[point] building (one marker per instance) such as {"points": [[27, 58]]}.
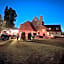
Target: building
{"points": [[54, 29], [37, 28]]}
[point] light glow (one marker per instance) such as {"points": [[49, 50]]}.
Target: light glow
{"points": [[52, 35], [48, 33], [43, 30], [14, 32]]}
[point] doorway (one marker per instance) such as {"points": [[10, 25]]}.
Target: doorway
{"points": [[43, 34], [29, 36], [23, 35]]}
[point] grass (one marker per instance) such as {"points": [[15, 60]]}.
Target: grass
{"points": [[33, 52], [2, 43]]}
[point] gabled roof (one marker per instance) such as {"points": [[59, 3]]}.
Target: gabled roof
{"points": [[27, 26], [35, 18], [41, 27], [53, 27]]}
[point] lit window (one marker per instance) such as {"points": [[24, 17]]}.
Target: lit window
{"points": [[43, 30], [49, 28], [47, 33], [38, 33]]}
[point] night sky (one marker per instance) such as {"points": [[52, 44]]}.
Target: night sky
{"points": [[51, 10]]}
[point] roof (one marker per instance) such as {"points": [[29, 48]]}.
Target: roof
{"points": [[15, 28], [35, 19], [27, 26], [42, 27], [53, 27]]}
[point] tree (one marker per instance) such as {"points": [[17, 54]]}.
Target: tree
{"points": [[2, 24], [9, 17]]}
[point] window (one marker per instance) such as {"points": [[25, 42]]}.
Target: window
{"points": [[57, 28], [39, 33], [49, 28], [47, 33], [43, 30], [44, 34], [34, 34]]}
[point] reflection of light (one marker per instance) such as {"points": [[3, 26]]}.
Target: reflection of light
{"points": [[18, 38], [13, 42], [47, 33]]}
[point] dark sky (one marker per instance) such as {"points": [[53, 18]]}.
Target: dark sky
{"points": [[51, 10]]}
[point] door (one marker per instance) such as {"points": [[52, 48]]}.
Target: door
{"points": [[29, 36], [23, 35]]}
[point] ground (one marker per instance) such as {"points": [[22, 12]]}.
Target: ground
{"points": [[32, 52]]}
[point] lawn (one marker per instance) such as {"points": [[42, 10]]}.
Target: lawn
{"points": [[33, 52]]}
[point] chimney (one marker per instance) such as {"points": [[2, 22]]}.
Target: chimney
{"points": [[41, 20]]}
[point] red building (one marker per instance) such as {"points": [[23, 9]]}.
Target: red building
{"points": [[37, 28]]}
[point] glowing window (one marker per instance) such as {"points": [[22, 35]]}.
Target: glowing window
{"points": [[39, 33], [43, 30], [49, 28], [47, 33]]}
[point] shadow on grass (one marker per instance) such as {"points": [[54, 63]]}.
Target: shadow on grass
{"points": [[62, 59], [5, 60], [6, 44], [39, 59], [34, 59], [48, 42]]}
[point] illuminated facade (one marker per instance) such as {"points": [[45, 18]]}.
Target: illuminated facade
{"points": [[37, 28]]}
